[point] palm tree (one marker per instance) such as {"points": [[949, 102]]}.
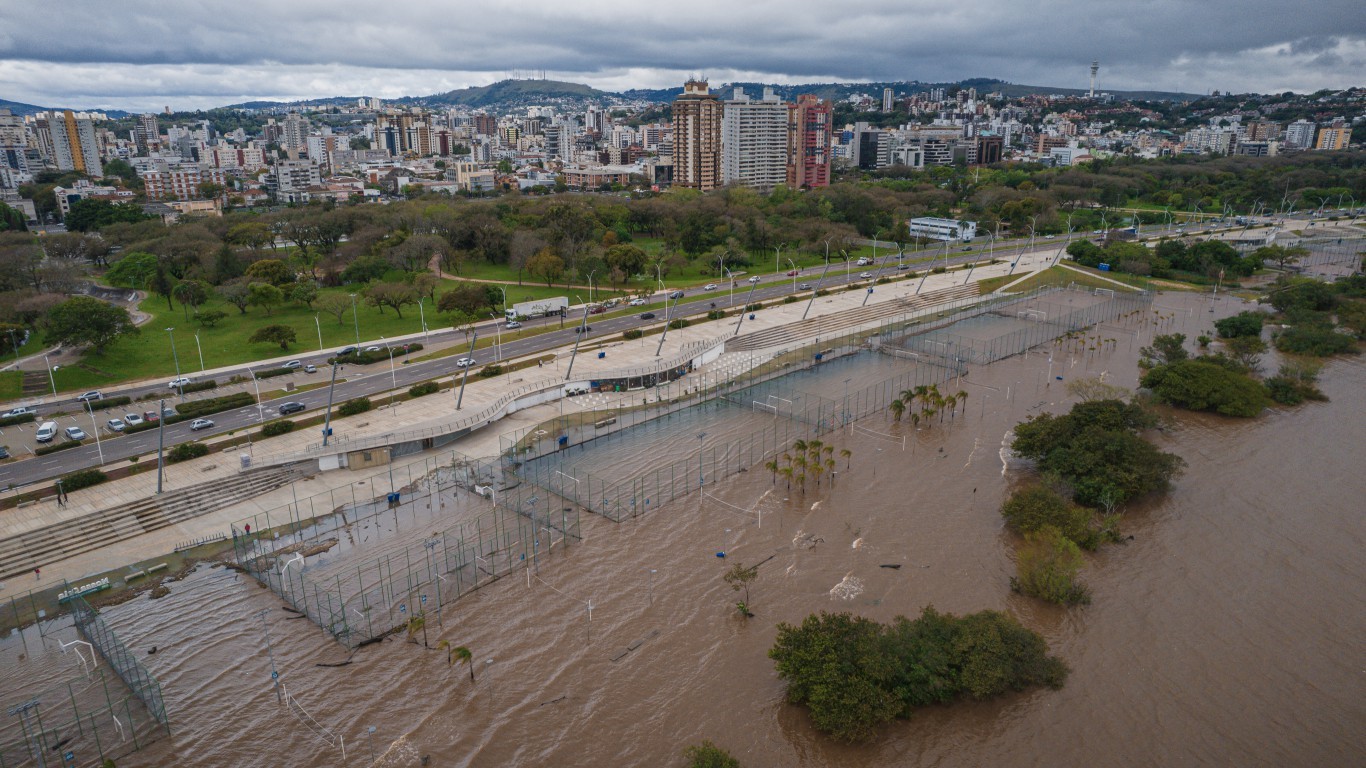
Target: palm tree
{"points": [[897, 408], [462, 653], [952, 402], [772, 466], [830, 466], [799, 445], [787, 474], [848, 457], [414, 624]]}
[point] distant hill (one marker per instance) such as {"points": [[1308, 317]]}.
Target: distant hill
{"points": [[841, 91], [328, 101], [516, 93], [20, 108]]}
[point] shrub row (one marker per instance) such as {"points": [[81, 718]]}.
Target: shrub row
{"points": [[199, 386], [54, 447], [197, 408], [755, 307], [425, 388], [355, 406], [489, 371], [679, 323], [633, 333], [21, 419], [361, 357], [273, 428], [83, 479], [186, 451], [715, 314], [270, 373], [110, 402]]}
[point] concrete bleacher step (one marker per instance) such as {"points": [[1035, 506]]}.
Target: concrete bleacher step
{"points": [[22, 553], [831, 324]]}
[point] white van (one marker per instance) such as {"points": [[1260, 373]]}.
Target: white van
{"points": [[46, 431]]}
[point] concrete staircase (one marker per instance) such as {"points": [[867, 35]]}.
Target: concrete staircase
{"points": [[832, 325], [19, 555]]}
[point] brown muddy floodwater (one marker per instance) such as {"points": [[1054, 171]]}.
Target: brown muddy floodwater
{"points": [[1227, 632]]}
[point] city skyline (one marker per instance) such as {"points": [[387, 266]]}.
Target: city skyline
{"points": [[144, 58]]}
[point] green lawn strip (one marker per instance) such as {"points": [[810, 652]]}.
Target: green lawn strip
{"points": [[11, 385]]}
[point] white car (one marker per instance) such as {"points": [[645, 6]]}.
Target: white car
{"points": [[865, 275], [709, 287], [637, 302], [199, 424], [373, 348], [292, 364], [512, 325], [116, 425], [132, 419], [464, 362], [22, 410], [75, 433], [178, 383], [754, 279]]}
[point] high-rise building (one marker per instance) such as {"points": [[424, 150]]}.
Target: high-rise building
{"points": [[1299, 135], [1335, 135], [73, 142], [295, 134], [147, 134], [809, 136], [485, 125], [697, 137], [888, 100], [989, 149], [754, 141]]}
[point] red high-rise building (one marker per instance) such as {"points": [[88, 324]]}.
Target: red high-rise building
{"points": [[809, 139]]}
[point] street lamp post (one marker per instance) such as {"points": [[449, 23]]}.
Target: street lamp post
{"points": [[199, 347], [701, 473], [590, 285], [319, 326], [15, 344], [777, 254], [180, 388], [355, 319], [422, 318], [95, 427], [794, 275], [260, 409], [50, 378], [497, 339], [393, 376]]}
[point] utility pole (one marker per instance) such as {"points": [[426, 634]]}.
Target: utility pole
{"points": [[274, 675], [161, 441]]}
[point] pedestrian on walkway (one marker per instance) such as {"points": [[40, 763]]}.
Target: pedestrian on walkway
{"points": [[37, 574]]}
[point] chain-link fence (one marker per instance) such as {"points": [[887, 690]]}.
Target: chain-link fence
{"points": [[1001, 329], [362, 564], [111, 709]]}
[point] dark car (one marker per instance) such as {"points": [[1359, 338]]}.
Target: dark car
{"points": [[676, 295], [4, 452], [583, 328], [647, 316], [597, 310], [345, 351], [291, 407]]}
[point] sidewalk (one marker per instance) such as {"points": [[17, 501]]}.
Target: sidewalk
{"points": [[437, 409]]}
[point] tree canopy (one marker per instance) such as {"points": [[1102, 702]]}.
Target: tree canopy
{"points": [[85, 321]]}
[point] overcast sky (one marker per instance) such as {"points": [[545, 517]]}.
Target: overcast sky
{"points": [[192, 54]]}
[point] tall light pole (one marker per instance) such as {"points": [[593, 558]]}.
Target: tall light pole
{"points": [[355, 318], [260, 409], [393, 375], [422, 318], [319, 326], [199, 347], [95, 427], [179, 387], [590, 285], [497, 339], [794, 275], [777, 254], [701, 473], [15, 344], [50, 378]]}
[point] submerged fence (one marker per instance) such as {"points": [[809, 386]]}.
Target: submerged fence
{"points": [[369, 565], [1003, 329], [86, 719]]}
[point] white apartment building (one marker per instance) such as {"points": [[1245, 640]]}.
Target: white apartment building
{"points": [[754, 141], [1299, 135]]}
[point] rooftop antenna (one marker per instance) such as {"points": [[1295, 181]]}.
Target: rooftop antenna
{"points": [[1095, 67]]}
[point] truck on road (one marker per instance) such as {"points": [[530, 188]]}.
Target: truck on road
{"points": [[537, 308]]}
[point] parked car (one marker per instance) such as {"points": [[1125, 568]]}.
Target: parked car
{"points": [[647, 316], [291, 407], [710, 287], [310, 368], [74, 433], [22, 410], [464, 362], [116, 425], [132, 419], [804, 286], [4, 452], [865, 275], [178, 383], [168, 413], [636, 302], [676, 295], [93, 394], [199, 424], [754, 279], [292, 364], [46, 431], [512, 325], [583, 328], [151, 417]]}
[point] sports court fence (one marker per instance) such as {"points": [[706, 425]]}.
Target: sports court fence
{"points": [[1005, 328], [362, 565]]}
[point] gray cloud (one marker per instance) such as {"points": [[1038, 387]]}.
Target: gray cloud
{"points": [[197, 54]]}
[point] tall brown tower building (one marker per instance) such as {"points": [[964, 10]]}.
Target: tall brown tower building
{"points": [[809, 140], [697, 137]]}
